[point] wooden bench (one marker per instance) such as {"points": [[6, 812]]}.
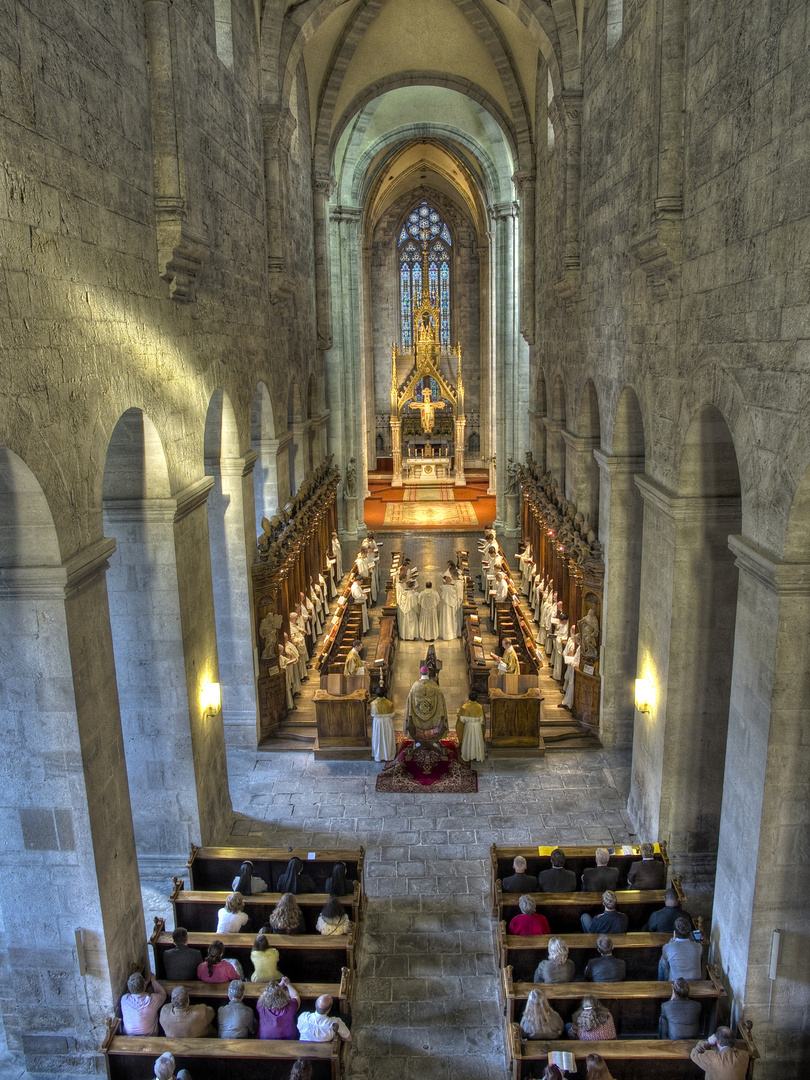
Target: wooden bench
{"points": [[635, 1006], [477, 666], [577, 859], [629, 1059], [216, 867], [563, 910], [132, 1057], [216, 994], [383, 664], [302, 957], [641, 952], [197, 910]]}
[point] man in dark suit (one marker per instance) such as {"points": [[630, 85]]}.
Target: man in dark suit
{"points": [[610, 921], [648, 873], [601, 877], [557, 879], [520, 881], [606, 967], [181, 962], [663, 920], [680, 1016]]}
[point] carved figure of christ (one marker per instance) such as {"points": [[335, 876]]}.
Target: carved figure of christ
{"points": [[427, 408]]}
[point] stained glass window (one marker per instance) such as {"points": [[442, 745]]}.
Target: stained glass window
{"points": [[424, 231]]}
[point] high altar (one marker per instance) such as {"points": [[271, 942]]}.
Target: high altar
{"points": [[431, 460]]}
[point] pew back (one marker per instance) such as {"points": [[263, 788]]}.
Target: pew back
{"points": [[197, 910], [216, 867], [641, 952]]}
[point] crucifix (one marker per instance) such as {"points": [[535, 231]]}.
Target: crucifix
{"points": [[427, 407]]}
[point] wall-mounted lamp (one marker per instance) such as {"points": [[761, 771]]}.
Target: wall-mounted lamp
{"points": [[210, 699], [645, 694]]}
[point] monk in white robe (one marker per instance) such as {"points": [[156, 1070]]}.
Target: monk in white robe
{"points": [[429, 602], [337, 555], [571, 658], [359, 597], [449, 610], [408, 613]]}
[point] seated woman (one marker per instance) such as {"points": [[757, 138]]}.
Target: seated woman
{"points": [[292, 880], [277, 1007], [338, 884], [245, 883], [591, 1022], [539, 1020], [558, 968], [528, 922], [232, 917], [333, 919], [264, 960], [287, 917], [597, 1068], [214, 969]]}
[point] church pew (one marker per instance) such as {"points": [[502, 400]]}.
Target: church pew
{"points": [[563, 910], [383, 662], [216, 994], [477, 666], [216, 867], [302, 957], [512, 623], [635, 1005], [641, 952], [197, 910], [132, 1057], [577, 859], [626, 1059]]}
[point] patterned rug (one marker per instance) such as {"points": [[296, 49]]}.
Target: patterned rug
{"points": [[428, 493], [431, 515], [428, 772]]}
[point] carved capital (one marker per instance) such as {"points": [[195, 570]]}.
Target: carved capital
{"points": [[659, 250], [181, 252], [324, 184], [567, 286]]}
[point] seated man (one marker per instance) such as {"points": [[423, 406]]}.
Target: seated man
{"points": [[520, 881], [182, 1020], [610, 921], [601, 877], [648, 873], [319, 1026], [663, 921], [181, 962], [425, 716], [718, 1057], [528, 922], [236, 1020], [606, 967], [165, 1066], [682, 957], [141, 1005], [354, 662], [680, 1016], [556, 879]]}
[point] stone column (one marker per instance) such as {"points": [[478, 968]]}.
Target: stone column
{"points": [[524, 180], [278, 128], [271, 476], [566, 113], [232, 603], [621, 522], [150, 671], [344, 375], [198, 624], [555, 449], [300, 465], [323, 186], [686, 639], [582, 475], [64, 798], [509, 371], [766, 813]]}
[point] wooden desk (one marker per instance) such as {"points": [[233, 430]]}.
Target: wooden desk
{"points": [[341, 720]]}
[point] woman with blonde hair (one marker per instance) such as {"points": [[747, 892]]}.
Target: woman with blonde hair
{"points": [[558, 968], [287, 917], [592, 1022], [539, 1020], [264, 960], [597, 1069], [277, 1007], [232, 917]]}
